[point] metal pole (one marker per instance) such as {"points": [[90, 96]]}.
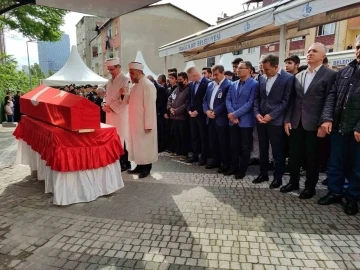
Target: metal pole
{"points": [[282, 47], [28, 57], [165, 66]]}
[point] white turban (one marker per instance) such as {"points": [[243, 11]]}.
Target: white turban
{"points": [[136, 65], [112, 62]]}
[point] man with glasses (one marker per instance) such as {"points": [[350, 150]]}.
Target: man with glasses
{"points": [[116, 105]]}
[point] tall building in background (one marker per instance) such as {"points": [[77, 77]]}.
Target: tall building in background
{"points": [[53, 55], [86, 29]]}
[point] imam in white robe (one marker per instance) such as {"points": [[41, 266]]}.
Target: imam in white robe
{"points": [[143, 148]]}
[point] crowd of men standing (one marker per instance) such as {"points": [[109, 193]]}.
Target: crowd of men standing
{"points": [[312, 117]]}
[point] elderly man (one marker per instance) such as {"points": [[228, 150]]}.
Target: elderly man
{"points": [[341, 118], [143, 148], [302, 120], [116, 105]]}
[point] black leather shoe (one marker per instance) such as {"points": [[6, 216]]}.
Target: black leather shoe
{"points": [[134, 171], [125, 167], [144, 174], [307, 194], [330, 198], [231, 172], [289, 187], [260, 179], [192, 160], [222, 169], [212, 166], [325, 182], [239, 175], [351, 207], [275, 184], [202, 163]]}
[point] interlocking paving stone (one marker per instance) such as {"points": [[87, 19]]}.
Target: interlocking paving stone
{"points": [[183, 217]]}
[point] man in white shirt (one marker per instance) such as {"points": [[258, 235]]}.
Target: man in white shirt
{"points": [[214, 107]]}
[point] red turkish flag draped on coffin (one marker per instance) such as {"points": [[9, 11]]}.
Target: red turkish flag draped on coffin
{"points": [[60, 108]]}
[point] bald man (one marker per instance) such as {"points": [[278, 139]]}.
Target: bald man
{"points": [[302, 120]]}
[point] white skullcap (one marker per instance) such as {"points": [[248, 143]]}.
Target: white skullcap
{"points": [[136, 65], [112, 62]]}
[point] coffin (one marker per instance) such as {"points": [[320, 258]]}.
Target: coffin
{"points": [[60, 108]]}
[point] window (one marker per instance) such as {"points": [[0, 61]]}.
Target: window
{"points": [[238, 52], [298, 38], [326, 29], [110, 54], [210, 61], [251, 50], [95, 51], [109, 31], [116, 28]]}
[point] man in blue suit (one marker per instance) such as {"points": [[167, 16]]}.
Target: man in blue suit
{"points": [[215, 109], [240, 106], [271, 102], [198, 128]]}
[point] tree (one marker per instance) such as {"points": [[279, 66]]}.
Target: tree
{"points": [[51, 72], [33, 21]]}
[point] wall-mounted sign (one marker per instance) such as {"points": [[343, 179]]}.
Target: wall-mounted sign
{"points": [[200, 42], [341, 62]]}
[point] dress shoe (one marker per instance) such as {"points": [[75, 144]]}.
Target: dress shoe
{"points": [[192, 160], [231, 172], [307, 194], [223, 169], [202, 163], [351, 207], [289, 187], [330, 198], [275, 184], [134, 171], [144, 174], [260, 179], [125, 167], [254, 162], [240, 175], [325, 182], [212, 166]]}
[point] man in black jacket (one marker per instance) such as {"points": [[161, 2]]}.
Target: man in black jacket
{"points": [[199, 136], [341, 118]]}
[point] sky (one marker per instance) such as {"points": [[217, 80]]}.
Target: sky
{"points": [[204, 9]]}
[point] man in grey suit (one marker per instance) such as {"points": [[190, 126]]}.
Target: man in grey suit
{"points": [[302, 120], [270, 105]]}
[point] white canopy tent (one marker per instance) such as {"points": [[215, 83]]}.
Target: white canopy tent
{"points": [[226, 60], [74, 71], [147, 71]]}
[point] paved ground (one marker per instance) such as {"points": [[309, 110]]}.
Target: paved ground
{"points": [[184, 217]]}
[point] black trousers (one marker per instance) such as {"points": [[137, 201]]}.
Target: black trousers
{"points": [[199, 136], [169, 135], [304, 145], [241, 140], [181, 129], [125, 157], [276, 136], [160, 132], [144, 167], [219, 143]]}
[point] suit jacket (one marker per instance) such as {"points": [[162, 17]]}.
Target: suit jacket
{"points": [[308, 107], [194, 101], [241, 102], [219, 106], [161, 100], [275, 104]]}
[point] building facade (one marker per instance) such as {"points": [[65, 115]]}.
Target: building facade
{"points": [[86, 29], [53, 55], [144, 30]]}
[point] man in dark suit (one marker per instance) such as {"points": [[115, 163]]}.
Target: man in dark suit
{"points": [[271, 102], [199, 136], [302, 121], [215, 109], [240, 107]]}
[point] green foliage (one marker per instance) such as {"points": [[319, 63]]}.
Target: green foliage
{"points": [[34, 22], [13, 79], [51, 72]]}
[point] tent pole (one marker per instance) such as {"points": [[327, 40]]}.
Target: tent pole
{"points": [[282, 47]]}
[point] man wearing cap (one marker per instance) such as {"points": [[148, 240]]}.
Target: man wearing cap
{"points": [[116, 105], [143, 149]]}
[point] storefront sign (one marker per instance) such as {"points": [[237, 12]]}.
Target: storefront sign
{"points": [[341, 62], [200, 42]]}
